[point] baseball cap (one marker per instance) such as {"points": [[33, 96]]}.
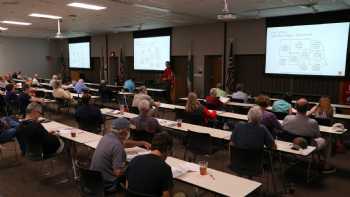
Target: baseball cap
{"points": [[120, 123]]}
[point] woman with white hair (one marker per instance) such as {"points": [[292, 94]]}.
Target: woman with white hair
{"points": [[252, 135], [212, 101]]}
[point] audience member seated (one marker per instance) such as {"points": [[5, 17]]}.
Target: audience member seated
{"points": [[142, 95], [105, 92], [35, 81], [109, 157], [303, 126], [219, 91], [80, 86], [8, 127], [283, 105], [30, 131], [129, 85], [196, 109], [8, 78], [269, 120], [53, 79], [149, 174], [240, 94], [145, 122], [89, 116], [252, 134], [3, 83], [11, 99], [59, 92], [212, 101], [25, 98], [323, 110]]}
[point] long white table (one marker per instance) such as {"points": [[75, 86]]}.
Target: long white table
{"points": [[231, 115], [73, 94], [215, 180]]}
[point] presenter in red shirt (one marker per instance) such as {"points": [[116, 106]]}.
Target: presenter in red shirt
{"points": [[168, 78]]}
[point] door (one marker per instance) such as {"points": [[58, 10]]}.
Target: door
{"points": [[180, 71], [213, 72]]}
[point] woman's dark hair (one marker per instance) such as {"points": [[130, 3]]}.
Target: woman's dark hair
{"points": [[9, 87], [85, 99]]}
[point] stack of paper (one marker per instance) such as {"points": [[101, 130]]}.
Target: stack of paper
{"points": [[183, 168], [131, 153]]}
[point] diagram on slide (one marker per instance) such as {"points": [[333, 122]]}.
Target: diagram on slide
{"points": [[306, 54]]}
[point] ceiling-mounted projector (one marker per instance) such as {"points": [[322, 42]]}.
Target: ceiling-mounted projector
{"points": [[228, 16]]}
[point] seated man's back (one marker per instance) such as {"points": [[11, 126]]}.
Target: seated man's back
{"points": [[149, 174], [301, 125], [31, 132]]}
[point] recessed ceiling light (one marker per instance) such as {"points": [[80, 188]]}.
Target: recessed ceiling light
{"points": [[45, 16], [3, 28], [16, 23], [86, 6]]}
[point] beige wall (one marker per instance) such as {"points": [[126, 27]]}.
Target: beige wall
{"points": [[205, 39], [25, 54]]}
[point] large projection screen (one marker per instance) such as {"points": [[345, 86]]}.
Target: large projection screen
{"points": [[79, 55], [151, 53], [318, 49]]}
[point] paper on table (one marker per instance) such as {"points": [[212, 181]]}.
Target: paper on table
{"points": [[65, 130], [224, 99], [135, 151], [184, 168]]}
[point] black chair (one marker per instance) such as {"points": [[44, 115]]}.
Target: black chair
{"points": [[280, 115], [289, 137], [246, 162], [91, 183], [192, 118], [62, 104], [324, 121], [11, 107], [91, 126], [130, 193], [141, 135], [134, 110], [237, 100], [199, 144]]}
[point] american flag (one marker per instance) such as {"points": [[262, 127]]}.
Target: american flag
{"points": [[121, 69], [231, 70]]}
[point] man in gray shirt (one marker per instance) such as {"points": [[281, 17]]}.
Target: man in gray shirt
{"points": [[301, 125], [109, 157]]}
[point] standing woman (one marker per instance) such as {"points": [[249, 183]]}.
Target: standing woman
{"points": [[168, 78]]}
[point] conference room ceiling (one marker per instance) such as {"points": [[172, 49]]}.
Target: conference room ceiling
{"points": [[131, 15]]}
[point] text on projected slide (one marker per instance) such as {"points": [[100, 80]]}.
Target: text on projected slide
{"points": [[308, 49], [151, 53], [79, 55]]}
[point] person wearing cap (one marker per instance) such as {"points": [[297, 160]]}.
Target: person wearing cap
{"points": [[142, 95], [30, 131], [149, 174], [303, 126], [109, 157]]}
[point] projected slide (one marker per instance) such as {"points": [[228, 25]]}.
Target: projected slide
{"points": [[151, 53], [79, 55], [307, 50]]}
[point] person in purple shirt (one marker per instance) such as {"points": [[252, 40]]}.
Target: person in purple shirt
{"points": [[269, 120], [80, 86]]}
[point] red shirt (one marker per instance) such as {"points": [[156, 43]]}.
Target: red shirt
{"points": [[213, 102], [168, 75]]}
